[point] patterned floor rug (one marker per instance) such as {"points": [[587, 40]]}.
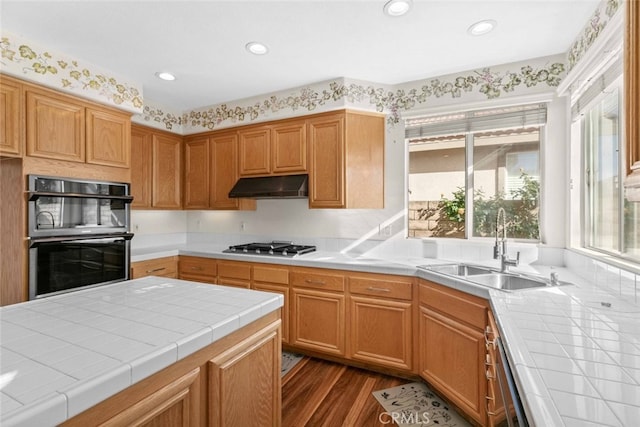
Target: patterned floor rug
{"points": [[289, 360], [414, 404]]}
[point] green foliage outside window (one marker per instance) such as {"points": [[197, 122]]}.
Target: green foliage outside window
{"points": [[521, 209]]}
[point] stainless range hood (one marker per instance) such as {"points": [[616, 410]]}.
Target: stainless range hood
{"points": [[271, 187]]}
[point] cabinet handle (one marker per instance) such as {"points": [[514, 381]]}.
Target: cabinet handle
{"points": [[196, 268], [488, 374], [489, 342], [155, 270], [315, 282], [489, 398], [488, 360], [374, 289]]}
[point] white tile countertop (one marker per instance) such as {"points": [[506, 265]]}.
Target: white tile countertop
{"points": [[576, 348], [63, 354]]}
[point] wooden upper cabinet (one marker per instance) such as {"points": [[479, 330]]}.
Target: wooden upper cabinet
{"points": [[224, 172], [347, 160], [326, 144], [141, 148], [108, 138], [167, 151], [11, 143], [196, 173], [62, 127], [254, 150], [156, 169], [55, 126], [276, 149], [289, 148]]}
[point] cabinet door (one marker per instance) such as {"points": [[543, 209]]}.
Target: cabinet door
{"points": [[289, 148], [176, 404], [272, 278], [254, 151], [381, 332], [10, 114], [452, 359], [244, 382], [166, 171], [141, 147], [196, 173], [318, 321], [224, 173], [108, 138], [326, 147], [55, 127]]}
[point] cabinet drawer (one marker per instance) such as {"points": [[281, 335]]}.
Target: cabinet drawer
{"points": [[197, 266], [317, 279], [466, 308], [381, 286], [269, 274], [165, 267], [234, 270]]}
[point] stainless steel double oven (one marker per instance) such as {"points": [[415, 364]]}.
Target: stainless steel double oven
{"points": [[78, 234]]}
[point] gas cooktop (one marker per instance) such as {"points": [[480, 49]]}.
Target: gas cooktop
{"points": [[275, 248]]}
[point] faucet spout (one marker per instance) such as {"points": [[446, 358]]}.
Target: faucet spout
{"points": [[500, 247]]}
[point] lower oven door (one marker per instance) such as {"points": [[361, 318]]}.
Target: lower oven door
{"points": [[66, 264]]}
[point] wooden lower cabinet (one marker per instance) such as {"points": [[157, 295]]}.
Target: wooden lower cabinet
{"points": [[198, 269], [234, 381], [381, 332], [234, 273], [245, 382], [176, 404], [273, 278], [381, 320], [164, 267], [452, 347]]}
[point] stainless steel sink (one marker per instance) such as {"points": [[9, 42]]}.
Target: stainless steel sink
{"points": [[459, 269], [508, 282], [490, 277]]}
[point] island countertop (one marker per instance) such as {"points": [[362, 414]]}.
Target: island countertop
{"points": [[63, 354]]}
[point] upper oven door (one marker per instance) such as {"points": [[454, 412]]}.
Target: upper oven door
{"points": [[64, 264], [64, 207]]}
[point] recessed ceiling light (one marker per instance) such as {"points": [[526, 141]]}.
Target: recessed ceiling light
{"points": [[482, 27], [164, 75], [257, 48], [397, 7]]}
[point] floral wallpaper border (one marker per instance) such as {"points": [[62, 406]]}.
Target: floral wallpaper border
{"points": [[25, 59], [487, 82], [592, 30]]}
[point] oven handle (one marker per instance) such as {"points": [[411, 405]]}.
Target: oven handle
{"points": [[97, 238], [35, 195]]}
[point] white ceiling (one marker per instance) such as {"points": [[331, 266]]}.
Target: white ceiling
{"points": [[202, 42]]}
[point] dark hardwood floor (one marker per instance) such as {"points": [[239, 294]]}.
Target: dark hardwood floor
{"points": [[320, 393]]}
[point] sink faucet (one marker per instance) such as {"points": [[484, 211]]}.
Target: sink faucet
{"points": [[500, 247]]}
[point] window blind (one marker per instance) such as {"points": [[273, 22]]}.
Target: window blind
{"points": [[598, 85], [515, 117]]}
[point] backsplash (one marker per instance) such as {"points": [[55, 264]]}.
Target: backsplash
{"points": [[618, 281]]}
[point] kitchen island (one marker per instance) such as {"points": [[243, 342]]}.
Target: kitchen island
{"points": [[151, 349]]}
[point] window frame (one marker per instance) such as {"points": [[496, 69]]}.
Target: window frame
{"points": [[469, 171]]}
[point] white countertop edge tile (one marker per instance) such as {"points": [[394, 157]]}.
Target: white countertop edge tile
{"points": [[49, 410], [153, 362], [87, 393]]}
